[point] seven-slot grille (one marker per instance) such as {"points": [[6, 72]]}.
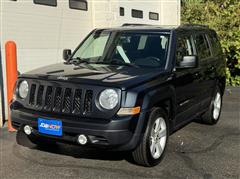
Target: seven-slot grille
{"points": [[61, 100]]}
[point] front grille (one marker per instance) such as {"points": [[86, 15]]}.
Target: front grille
{"points": [[67, 102], [32, 95], [60, 99], [77, 101], [88, 102], [57, 100], [40, 95], [48, 98]]}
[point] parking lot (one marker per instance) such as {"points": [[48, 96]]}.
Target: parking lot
{"points": [[196, 151]]}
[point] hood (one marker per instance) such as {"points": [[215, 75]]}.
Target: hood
{"points": [[95, 74]]}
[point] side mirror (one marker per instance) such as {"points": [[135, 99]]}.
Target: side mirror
{"points": [[189, 62], [66, 54]]}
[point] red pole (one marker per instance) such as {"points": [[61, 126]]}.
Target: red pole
{"points": [[11, 70]]}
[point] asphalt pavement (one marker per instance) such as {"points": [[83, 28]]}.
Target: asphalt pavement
{"points": [[195, 151]]}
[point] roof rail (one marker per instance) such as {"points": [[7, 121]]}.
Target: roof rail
{"points": [[129, 24], [195, 25]]}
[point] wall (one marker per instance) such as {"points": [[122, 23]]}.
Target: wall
{"points": [[170, 12], [106, 12]]}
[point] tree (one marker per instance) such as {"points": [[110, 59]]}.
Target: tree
{"points": [[224, 17]]}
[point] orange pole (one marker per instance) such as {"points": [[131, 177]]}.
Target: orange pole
{"points": [[11, 70]]}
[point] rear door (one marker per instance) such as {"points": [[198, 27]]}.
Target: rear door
{"points": [[207, 68]]}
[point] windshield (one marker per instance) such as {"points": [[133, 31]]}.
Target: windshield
{"points": [[132, 49], [93, 47]]}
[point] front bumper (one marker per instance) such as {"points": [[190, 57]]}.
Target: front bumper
{"points": [[120, 133]]}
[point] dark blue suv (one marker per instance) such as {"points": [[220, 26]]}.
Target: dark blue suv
{"points": [[124, 89]]}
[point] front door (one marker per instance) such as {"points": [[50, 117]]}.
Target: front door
{"points": [[187, 82]]}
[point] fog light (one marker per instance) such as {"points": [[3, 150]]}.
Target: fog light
{"points": [[82, 139], [27, 129]]}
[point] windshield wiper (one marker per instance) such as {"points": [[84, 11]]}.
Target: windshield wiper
{"points": [[118, 63]]}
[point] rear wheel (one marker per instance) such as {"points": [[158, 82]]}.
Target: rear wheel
{"points": [[153, 145], [212, 115]]}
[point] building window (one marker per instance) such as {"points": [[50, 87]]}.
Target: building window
{"points": [[153, 16], [46, 2], [137, 13], [78, 4], [121, 11]]}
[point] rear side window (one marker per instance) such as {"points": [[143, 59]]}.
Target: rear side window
{"points": [[202, 46], [215, 44], [184, 48]]}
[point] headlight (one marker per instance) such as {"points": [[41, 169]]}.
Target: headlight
{"points": [[23, 89], [108, 99]]}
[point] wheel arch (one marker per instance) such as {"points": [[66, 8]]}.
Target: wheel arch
{"points": [[165, 98]]}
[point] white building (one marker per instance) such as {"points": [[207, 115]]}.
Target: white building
{"points": [[43, 28]]}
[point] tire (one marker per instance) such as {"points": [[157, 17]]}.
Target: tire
{"points": [[142, 155], [212, 115]]}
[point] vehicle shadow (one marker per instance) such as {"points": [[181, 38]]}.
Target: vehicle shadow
{"points": [[75, 151]]}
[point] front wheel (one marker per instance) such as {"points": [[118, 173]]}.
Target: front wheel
{"points": [[153, 145], [212, 115]]}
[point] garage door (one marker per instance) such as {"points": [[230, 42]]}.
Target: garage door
{"points": [[1, 116], [1, 92]]}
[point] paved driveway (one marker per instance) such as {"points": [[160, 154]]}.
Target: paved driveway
{"points": [[196, 151]]}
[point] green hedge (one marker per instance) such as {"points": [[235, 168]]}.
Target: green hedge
{"points": [[224, 17]]}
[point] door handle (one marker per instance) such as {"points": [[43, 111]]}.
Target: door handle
{"points": [[197, 75]]}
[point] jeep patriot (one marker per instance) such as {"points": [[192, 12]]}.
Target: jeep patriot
{"points": [[124, 89]]}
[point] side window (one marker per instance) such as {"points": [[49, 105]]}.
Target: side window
{"points": [[202, 46], [184, 48], [215, 44]]}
